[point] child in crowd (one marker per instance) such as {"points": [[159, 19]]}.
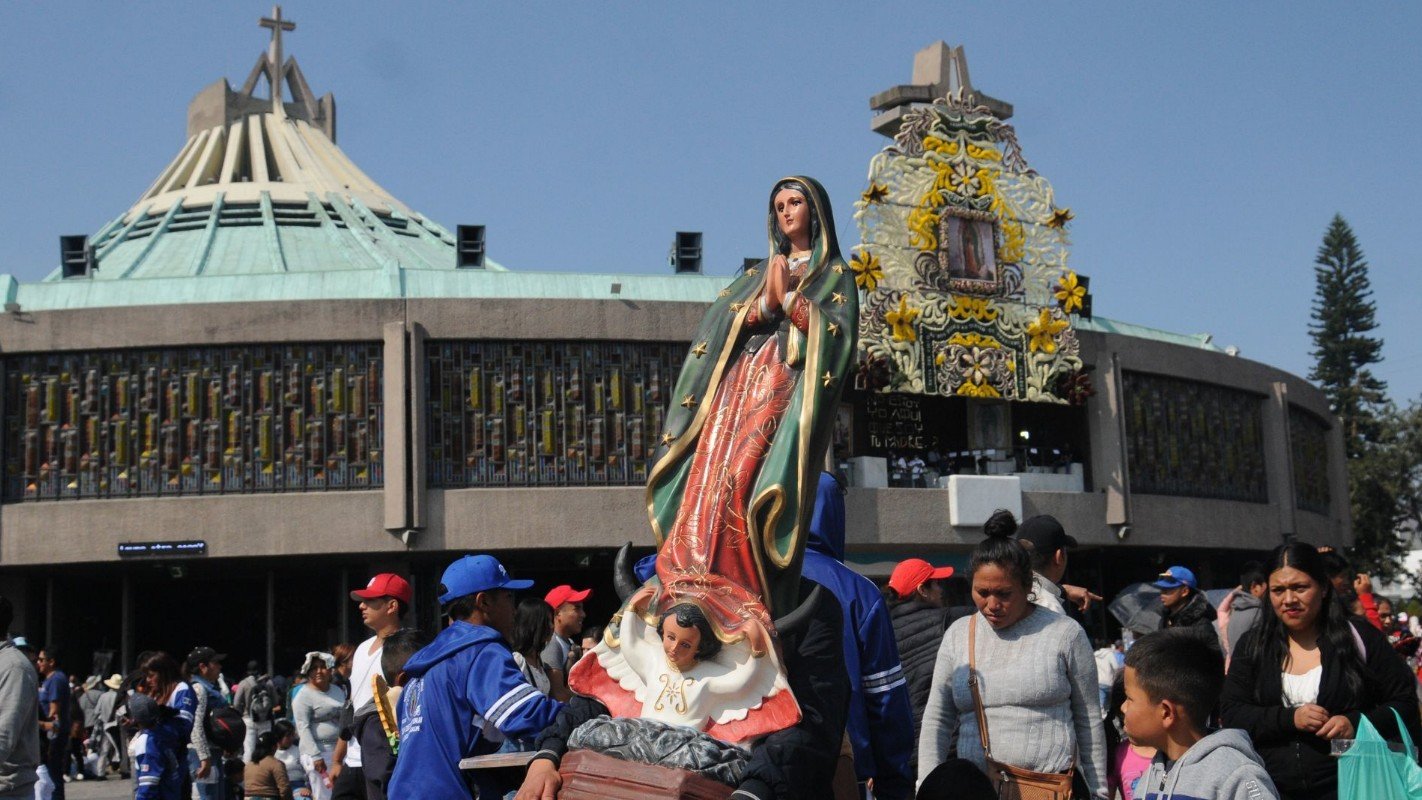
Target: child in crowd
{"points": [[264, 778], [378, 747], [289, 754], [1173, 682], [158, 774], [1129, 761]]}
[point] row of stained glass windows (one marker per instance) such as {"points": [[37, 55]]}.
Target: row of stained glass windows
{"points": [[1194, 439], [272, 418], [198, 420], [546, 413]]}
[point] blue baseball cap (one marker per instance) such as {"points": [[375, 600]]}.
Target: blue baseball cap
{"points": [[474, 574], [1175, 577]]}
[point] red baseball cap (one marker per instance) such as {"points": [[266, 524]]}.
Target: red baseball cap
{"points": [[911, 573], [386, 584], [559, 595]]}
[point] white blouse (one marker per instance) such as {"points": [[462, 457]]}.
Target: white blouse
{"points": [[1301, 689]]}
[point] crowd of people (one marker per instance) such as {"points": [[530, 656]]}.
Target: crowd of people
{"points": [[935, 685]]}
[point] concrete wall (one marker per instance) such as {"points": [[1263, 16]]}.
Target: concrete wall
{"points": [[34, 534]]}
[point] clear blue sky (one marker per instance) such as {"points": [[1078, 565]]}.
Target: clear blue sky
{"points": [[1203, 146]]}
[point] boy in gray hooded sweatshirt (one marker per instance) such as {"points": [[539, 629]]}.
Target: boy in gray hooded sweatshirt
{"points": [[1173, 682]]}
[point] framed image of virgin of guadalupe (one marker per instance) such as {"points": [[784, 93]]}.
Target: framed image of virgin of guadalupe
{"points": [[967, 251]]}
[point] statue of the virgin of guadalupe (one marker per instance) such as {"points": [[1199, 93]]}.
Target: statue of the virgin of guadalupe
{"points": [[732, 487]]}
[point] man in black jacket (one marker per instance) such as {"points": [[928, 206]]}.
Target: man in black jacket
{"points": [[915, 595], [793, 764], [1185, 606]]}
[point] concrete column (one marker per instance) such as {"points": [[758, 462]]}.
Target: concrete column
{"points": [[49, 612], [1279, 458], [1339, 507], [1106, 427], [126, 653], [271, 622], [417, 434], [395, 447]]}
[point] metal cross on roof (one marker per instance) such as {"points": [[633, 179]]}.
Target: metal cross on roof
{"points": [[274, 54]]}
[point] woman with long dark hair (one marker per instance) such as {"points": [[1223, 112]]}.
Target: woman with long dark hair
{"points": [[1306, 673], [161, 679], [533, 629], [1035, 676]]}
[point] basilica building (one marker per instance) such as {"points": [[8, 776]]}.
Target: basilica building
{"points": [[268, 379]]}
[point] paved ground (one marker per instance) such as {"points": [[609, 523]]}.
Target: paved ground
{"points": [[112, 789]]}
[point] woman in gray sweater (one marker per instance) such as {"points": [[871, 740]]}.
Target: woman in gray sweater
{"points": [[1036, 675], [318, 709]]}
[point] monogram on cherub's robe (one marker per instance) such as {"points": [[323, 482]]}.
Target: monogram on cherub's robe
{"points": [[736, 695]]}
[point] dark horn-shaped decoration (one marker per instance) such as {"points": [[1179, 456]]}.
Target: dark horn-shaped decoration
{"points": [[792, 623], [623, 578]]}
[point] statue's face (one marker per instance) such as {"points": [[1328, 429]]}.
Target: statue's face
{"points": [[680, 644], [792, 213]]}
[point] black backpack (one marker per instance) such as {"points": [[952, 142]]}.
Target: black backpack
{"points": [[261, 700], [225, 729]]}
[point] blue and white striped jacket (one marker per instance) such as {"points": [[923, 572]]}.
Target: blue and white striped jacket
{"points": [[880, 714], [466, 695]]}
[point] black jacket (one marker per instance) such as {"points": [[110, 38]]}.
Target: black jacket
{"points": [[377, 762], [1299, 762], [918, 630], [797, 762], [1197, 616]]}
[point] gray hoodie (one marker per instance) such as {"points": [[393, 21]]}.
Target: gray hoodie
{"points": [[1221, 766], [19, 722], [1243, 614]]}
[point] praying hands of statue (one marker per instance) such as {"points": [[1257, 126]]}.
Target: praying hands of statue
{"points": [[777, 282]]}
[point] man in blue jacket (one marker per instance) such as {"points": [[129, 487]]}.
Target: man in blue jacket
{"points": [[465, 694], [880, 725]]}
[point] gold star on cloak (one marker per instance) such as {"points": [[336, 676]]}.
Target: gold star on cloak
{"points": [[833, 328], [699, 350], [1060, 217], [689, 401], [838, 298], [736, 307], [838, 268], [752, 271], [668, 438], [725, 293], [827, 378]]}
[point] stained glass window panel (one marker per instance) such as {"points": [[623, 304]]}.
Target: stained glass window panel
{"points": [[546, 413], [196, 420], [1194, 439]]}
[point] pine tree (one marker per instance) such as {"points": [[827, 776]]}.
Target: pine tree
{"points": [[1343, 319]]}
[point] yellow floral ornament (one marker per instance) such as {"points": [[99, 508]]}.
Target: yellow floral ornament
{"points": [[1044, 332], [875, 193], [867, 270], [1070, 292], [902, 321], [1059, 218]]}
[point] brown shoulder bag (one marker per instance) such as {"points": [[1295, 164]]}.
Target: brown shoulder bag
{"points": [[1012, 783]]}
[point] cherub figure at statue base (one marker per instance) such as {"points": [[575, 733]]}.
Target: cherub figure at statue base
{"points": [[673, 668]]}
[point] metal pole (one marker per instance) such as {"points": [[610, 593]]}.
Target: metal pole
{"points": [[49, 612], [271, 622], [341, 599], [126, 624]]}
